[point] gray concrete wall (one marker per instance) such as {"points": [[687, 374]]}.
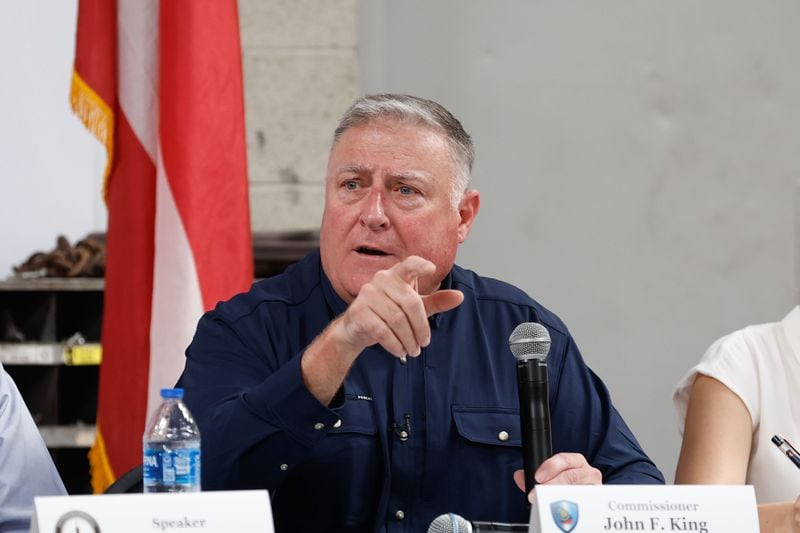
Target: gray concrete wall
{"points": [[300, 74], [638, 163]]}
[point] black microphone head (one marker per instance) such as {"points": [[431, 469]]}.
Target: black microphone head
{"points": [[450, 523], [529, 340]]}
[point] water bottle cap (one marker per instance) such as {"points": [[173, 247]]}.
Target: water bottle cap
{"points": [[168, 394]]}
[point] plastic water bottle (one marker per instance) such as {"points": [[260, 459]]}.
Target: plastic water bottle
{"points": [[171, 443]]}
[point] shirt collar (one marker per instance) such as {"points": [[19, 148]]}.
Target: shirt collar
{"points": [[447, 283], [336, 306]]}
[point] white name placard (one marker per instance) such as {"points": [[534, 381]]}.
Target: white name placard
{"points": [[243, 511], [651, 508]]}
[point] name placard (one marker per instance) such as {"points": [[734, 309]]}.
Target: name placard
{"points": [[208, 512], [651, 508]]}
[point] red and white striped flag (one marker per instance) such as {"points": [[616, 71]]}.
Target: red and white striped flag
{"points": [[160, 85]]}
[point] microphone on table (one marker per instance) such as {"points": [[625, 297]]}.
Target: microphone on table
{"points": [[530, 342], [453, 523]]}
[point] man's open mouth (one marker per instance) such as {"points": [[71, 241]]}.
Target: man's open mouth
{"points": [[370, 251]]}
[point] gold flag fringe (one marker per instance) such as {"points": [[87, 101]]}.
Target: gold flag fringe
{"points": [[97, 117], [100, 467]]}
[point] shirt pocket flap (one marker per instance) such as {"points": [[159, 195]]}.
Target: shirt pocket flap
{"points": [[355, 416], [497, 426]]}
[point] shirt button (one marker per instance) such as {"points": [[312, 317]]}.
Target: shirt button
{"points": [[403, 359], [503, 436], [403, 435], [338, 424], [284, 467], [399, 515], [319, 425]]}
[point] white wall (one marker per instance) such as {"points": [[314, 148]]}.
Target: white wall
{"points": [[638, 163], [50, 167]]}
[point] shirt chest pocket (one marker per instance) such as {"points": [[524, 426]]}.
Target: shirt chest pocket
{"points": [[485, 449], [351, 447], [488, 426], [344, 475], [355, 417]]}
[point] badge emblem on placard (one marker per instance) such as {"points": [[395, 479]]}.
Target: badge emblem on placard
{"points": [[565, 515], [76, 521]]}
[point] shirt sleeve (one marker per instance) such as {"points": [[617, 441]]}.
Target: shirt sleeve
{"points": [[249, 403], [732, 362], [26, 469], [586, 421]]}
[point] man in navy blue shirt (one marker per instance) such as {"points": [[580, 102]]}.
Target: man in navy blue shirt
{"points": [[370, 387]]}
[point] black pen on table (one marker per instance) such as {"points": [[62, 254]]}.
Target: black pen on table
{"points": [[788, 450]]}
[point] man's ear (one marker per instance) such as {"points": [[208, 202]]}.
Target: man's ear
{"points": [[467, 211]]}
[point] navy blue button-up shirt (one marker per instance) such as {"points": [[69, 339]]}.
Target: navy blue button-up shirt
{"points": [[403, 442]]}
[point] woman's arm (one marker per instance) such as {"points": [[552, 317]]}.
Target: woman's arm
{"points": [[717, 438]]}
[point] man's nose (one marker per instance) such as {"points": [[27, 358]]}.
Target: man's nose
{"points": [[373, 216]]}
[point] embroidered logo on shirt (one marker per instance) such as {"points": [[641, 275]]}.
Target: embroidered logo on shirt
{"points": [[356, 396]]}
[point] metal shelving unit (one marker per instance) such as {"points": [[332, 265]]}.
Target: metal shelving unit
{"points": [[57, 377], [50, 345]]}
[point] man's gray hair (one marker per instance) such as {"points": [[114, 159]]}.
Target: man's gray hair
{"points": [[417, 111]]}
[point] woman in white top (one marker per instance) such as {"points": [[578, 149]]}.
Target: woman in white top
{"points": [[746, 389]]}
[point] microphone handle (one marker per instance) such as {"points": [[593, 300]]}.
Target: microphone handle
{"points": [[480, 527], [534, 410]]}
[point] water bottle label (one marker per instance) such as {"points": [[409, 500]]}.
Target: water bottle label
{"points": [[171, 467]]}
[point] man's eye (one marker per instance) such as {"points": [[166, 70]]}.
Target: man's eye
{"points": [[350, 185], [405, 191]]}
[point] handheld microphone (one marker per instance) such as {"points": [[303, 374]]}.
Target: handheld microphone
{"points": [[530, 342], [453, 523]]}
